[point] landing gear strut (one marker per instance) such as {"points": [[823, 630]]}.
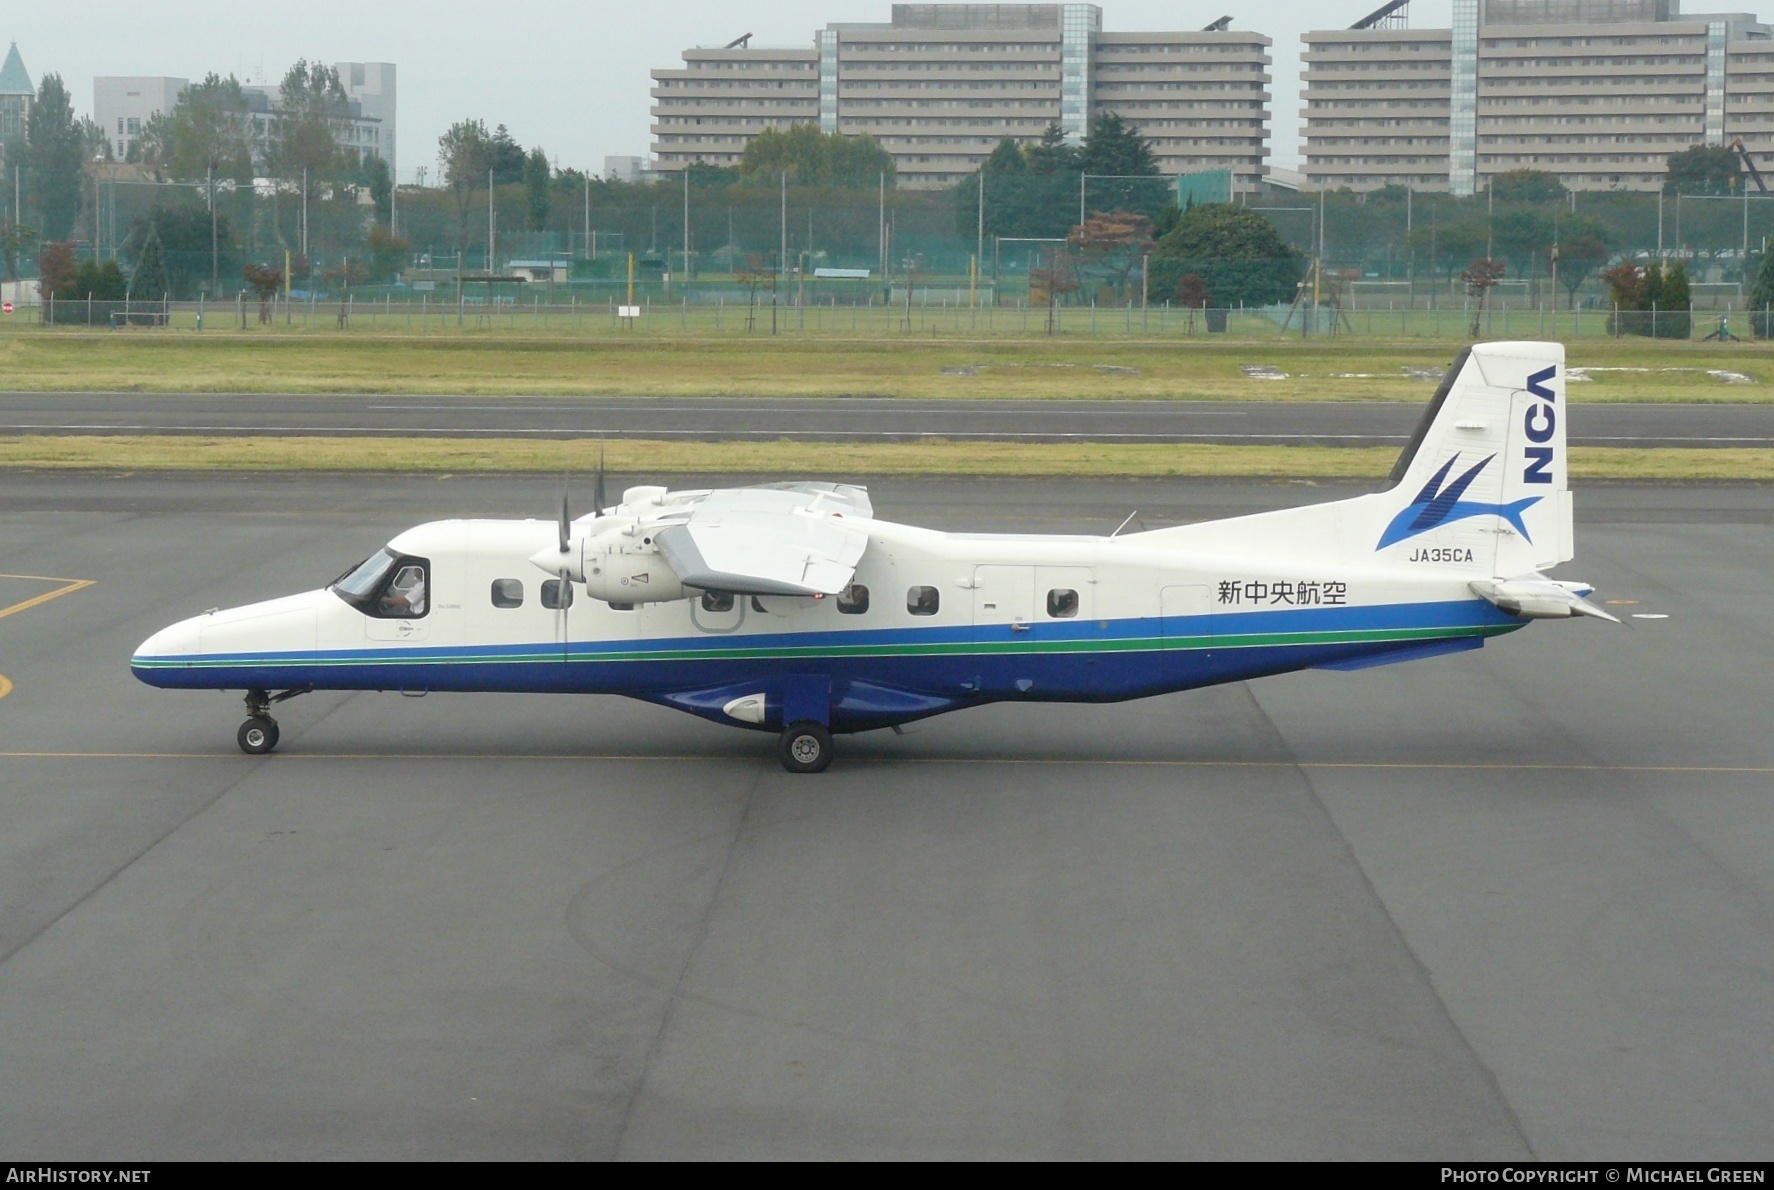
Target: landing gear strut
{"points": [[806, 747], [258, 735]]}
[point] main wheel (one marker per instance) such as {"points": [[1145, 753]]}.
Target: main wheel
{"points": [[257, 736], [806, 747]]}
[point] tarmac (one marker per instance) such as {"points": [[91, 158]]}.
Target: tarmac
{"points": [[1510, 904], [837, 419]]}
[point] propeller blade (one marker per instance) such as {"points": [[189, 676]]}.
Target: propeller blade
{"points": [[566, 525], [597, 499]]}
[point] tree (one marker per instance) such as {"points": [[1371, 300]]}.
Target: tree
{"points": [[1112, 244], [101, 283], [1050, 283], [1578, 257], [1672, 303], [1443, 246], [1053, 154], [1237, 252], [465, 152], [55, 149], [94, 144], [209, 132], [505, 157], [386, 254], [1521, 235], [381, 184], [536, 196], [1192, 295], [814, 158], [149, 282], [1527, 185], [1481, 276], [1651, 301], [1118, 158], [181, 236], [264, 280], [311, 111], [57, 273], [1761, 296], [1703, 169], [15, 240]]}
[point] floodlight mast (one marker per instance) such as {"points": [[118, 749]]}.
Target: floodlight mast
{"points": [[1395, 15]]}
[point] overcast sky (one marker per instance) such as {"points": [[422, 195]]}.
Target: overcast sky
{"points": [[564, 74]]}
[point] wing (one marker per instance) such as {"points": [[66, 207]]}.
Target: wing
{"points": [[793, 540]]}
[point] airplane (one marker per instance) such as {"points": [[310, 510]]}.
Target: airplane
{"points": [[791, 608]]}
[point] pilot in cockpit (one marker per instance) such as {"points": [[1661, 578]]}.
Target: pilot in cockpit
{"points": [[406, 594]]}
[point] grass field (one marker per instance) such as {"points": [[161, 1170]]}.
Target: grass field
{"points": [[1345, 369], [810, 460]]}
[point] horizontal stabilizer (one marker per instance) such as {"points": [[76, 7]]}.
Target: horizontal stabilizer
{"points": [[1539, 598]]}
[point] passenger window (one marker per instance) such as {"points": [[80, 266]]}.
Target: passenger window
{"points": [[405, 596], [853, 600], [508, 592], [1062, 605], [557, 595], [717, 601], [922, 601]]}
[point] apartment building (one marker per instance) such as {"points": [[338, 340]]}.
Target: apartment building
{"points": [[940, 85], [1598, 92]]}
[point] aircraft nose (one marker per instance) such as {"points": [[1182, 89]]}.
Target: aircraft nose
{"points": [[164, 648]]}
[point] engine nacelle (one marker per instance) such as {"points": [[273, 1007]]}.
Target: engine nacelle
{"points": [[618, 572]]}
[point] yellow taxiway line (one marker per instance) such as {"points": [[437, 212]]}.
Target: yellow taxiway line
{"points": [[70, 585]]}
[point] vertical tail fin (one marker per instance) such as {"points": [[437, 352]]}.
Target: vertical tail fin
{"points": [[1484, 480], [1481, 488]]}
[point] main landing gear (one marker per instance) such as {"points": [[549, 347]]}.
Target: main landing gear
{"points": [[258, 735], [806, 747]]}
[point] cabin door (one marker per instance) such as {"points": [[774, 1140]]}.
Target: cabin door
{"points": [[1003, 603]]}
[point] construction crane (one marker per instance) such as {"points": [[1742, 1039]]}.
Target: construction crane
{"points": [[1750, 164], [1388, 16]]}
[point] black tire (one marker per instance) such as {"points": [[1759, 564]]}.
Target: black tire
{"points": [[257, 736], [806, 747]]}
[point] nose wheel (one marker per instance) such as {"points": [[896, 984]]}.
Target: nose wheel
{"points": [[806, 747], [258, 735]]}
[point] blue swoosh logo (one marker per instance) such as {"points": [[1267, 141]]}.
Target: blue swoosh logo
{"points": [[1436, 506]]}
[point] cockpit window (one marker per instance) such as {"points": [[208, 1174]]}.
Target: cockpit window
{"points": [[361, 581], [388, 586]]}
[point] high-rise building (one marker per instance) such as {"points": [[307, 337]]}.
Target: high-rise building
{"points": [[1597, 92], [371, 85], [940, 85], [16, 95], [122, 106]]}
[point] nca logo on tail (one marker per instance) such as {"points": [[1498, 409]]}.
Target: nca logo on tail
{"points": [[1540, 422]]}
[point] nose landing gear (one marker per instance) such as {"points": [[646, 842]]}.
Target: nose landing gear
{"points": [[258, 735]]}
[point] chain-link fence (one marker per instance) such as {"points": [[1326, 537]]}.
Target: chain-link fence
{"points": [[718, 254], [922, 312]]}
